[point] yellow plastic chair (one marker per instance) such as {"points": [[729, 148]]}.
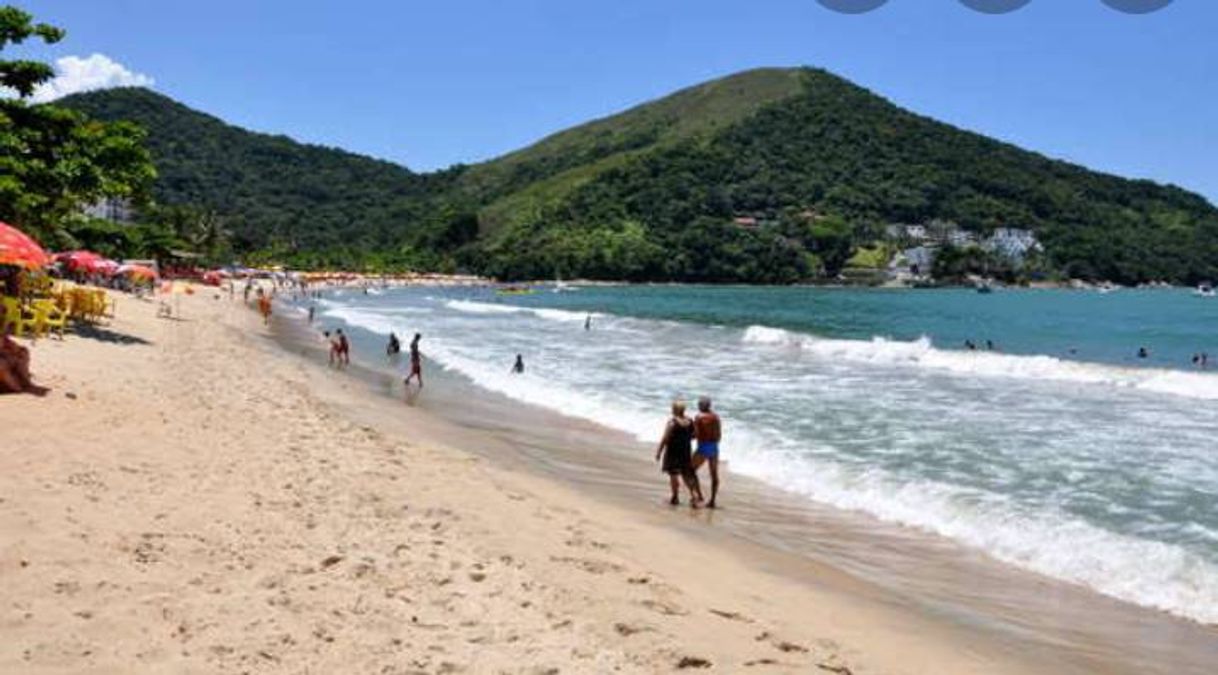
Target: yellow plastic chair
{"points": [[99, 305], [19, 317], [48, 316], [12, 311], [79, 307]]}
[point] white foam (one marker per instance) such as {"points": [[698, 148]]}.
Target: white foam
{"points": [[921, 353], [545, 393], [1145, 572], [471, 307]]}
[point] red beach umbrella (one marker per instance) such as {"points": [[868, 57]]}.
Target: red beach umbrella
{"points": [[104, 266], [137, 271], [16, 248], [79, 260]]}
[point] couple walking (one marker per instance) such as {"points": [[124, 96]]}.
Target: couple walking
{"points": [[682, 464]]}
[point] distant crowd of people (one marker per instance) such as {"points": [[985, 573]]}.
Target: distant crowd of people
{"points": [[1200, 360]]}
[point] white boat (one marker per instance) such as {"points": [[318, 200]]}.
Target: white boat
{"points": [[1205, 291]]}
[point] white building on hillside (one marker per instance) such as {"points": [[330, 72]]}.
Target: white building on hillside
{"points": [[1013, 243]]}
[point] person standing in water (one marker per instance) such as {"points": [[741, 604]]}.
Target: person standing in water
{"points": [[312, 310], [416, 361], [518, 367], [395, 346], [342, 349], [675, 449], [588, 323], [708, 429]]}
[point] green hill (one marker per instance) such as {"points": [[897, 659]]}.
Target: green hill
{"points": [[813, 165], [271, 190], [546, 171]]}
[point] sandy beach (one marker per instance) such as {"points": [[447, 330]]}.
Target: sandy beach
{"points": [[191, 498]]}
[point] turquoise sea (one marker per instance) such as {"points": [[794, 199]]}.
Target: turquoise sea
{"points": [[1060, 451]]}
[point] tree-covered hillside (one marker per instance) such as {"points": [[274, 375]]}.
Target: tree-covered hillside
{"points": [[767, 176], [274, 194]]}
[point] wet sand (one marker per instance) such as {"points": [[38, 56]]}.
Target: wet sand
{"points": [[207, 501]]}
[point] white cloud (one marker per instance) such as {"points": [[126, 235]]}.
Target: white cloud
{"points": [[75, 74]]}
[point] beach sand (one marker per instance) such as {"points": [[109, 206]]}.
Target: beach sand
{"points": [[191, 498]]}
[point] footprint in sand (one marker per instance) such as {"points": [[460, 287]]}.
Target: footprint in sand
{"points": [[665, 608], [731, 616], [626, 630], [589, 565]]}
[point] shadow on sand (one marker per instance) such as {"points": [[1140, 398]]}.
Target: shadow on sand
{"points": [[103, 334]]}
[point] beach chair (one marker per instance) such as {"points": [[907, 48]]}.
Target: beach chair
{"points": [[49, 316], [19, 317], [79, 309], [11, 312], [100, 306]]}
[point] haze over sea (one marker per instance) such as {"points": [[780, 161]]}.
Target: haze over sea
{"points": [[1061, 453]]}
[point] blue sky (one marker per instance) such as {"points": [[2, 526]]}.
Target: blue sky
{"points": [[428, 84]]}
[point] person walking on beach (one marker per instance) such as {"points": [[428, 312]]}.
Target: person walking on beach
{"points": [[342, 349], [518, 367], [416, 361], [264, 308], [708, 429], [677, 461]]}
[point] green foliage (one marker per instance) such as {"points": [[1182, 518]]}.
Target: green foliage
{"points": [[272, 193], [816, 164], [122, 242], [52, 159], [956, 265], [16, 26]]}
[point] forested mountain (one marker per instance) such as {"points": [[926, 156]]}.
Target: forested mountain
{"points": [[773, 175], [274, 193]]}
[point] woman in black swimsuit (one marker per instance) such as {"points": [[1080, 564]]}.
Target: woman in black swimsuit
{"points": [[676, 449]]}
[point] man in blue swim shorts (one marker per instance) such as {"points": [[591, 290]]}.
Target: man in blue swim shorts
{"points": [[708, 431]]}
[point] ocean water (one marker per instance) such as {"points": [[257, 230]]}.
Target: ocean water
{"points": [[1060, 452]]}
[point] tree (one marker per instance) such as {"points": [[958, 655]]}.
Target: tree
{"points": [[54, 160]]}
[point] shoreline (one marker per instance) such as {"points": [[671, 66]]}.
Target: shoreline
{"points": [[918, 572], [211, 502]]}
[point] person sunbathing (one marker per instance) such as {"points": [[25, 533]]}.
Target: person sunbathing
{"points": [[15, 366]]}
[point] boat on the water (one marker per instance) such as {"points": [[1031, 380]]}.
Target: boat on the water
{"points": [[1205, 291]]}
